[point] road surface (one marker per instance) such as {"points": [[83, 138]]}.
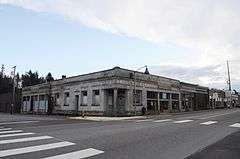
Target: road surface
{"points": [[158, 137]]}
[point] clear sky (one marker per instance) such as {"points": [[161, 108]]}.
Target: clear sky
{"points": [[74, 37]]}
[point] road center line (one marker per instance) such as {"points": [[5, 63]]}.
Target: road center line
{"points": [[146, 120], [209, 123], [205, 116], [236, 125], [212, 116], [18, 122], [19, 134], [34, 148], [25, 139], [78, 154], [182, 121], [8, 132]]}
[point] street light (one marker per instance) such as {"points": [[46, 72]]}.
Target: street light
{"points": [[13, 95], [134, 80]]}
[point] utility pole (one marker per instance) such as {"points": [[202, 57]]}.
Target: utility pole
{"points": [[229, 83], [229, 77], [13, 95]]}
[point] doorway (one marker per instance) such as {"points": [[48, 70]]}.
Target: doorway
{"points": [[31, 104], [76, 104]]}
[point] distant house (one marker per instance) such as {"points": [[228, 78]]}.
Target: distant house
{"points": [[115, 92], [232, 98], [217, 99]]}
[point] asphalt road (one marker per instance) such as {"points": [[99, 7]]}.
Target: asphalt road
{"points": [[159, 137]]}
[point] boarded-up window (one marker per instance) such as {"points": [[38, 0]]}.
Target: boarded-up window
{"points": [[96, 98], [84, 98], [57, 98], [66, 99]]}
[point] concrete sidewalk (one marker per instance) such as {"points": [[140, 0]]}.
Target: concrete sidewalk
{"points": [[157, 116], [94, 118]]}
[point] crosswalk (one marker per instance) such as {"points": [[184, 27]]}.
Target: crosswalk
{"points": [[206, 123], [209, 123], [78, 155], [9, 137]]}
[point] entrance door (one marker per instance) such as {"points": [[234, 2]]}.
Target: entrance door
{"points": [[164, 106], [121, 102], [76, 103], [31, 104], [110, 109], [152, 106]]}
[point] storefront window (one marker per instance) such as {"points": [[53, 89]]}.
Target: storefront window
{"points": [[84, 98]]}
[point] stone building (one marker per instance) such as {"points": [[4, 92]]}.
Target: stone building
{"points": [[114, 92]]}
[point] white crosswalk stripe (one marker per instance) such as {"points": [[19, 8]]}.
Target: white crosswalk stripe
{"points": [[8, 132], [25, 139], [18, 122], [78, 154], [17, 134], [160, 121], [4, 129], [209, 123], [182, 121], [236, 125], [25, 150]]}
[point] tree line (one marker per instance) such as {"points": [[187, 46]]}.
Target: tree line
{"points": [[28, 79]]}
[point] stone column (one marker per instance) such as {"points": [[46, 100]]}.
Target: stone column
{"points": [[30, 102], [115, 101], [129, 101], [103, 100], [158, 101], [180, 102], [170, 103], [89, 98], [38, 103], [144, 98]]}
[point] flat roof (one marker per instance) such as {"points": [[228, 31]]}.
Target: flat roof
{"points": [[115, 68]]}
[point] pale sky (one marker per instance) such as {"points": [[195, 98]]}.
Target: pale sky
{"points": [[189, 40]]}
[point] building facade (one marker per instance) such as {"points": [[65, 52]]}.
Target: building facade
{"points": [[114, 92]]}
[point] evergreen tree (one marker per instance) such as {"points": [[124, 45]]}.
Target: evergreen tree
{"points": [[49, 77], [31, 78]]}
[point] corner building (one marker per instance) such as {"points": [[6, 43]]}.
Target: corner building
{"points": [[114, 92]]}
